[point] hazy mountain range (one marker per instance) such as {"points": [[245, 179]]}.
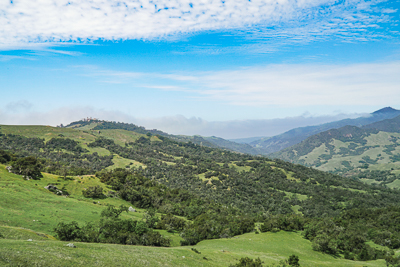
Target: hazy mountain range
{"points": [[268, 145]]}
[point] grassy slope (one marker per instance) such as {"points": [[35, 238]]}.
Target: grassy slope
{"points": [[270, 247], [28, 204], [376, 143], [381, 139], [28, 211]]}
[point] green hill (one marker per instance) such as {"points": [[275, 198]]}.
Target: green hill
{"points": [[97, 125], [290, 138], [371, 152], [28, 211], [198, 194]]}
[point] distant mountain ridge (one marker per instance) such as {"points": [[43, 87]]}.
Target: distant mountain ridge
{"points": [[279, 142], [350, 149]]}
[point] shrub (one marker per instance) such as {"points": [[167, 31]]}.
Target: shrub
{"points": [[294, 261], [29, 167], [247, 262], [93, 192], [68, 231]]}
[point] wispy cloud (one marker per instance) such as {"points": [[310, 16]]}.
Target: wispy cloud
{"points": [[36, 23], [283, 85], [12, 57]]}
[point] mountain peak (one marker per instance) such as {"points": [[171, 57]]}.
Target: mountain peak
{"points": [[386, 110]]}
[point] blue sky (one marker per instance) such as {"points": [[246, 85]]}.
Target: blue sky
{"points": [[227, 68]]}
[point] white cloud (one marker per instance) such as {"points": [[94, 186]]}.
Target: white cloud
{"points": [[36, 23], [305, 85], [283, 85]]}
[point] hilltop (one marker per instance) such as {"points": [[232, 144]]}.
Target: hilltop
{"points": [[95, 124]]}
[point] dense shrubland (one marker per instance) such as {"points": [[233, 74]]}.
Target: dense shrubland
{"points": [[209, 219], [55, 155]]}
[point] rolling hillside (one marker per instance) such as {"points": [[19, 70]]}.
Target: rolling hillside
{"points": [[21, 220], [274, 144], [370, 152], [187, 193], [97, 125]]}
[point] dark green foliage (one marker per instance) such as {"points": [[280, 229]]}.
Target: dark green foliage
{"points": [[392, 261], [196, 251], [171, 223], [210, 220], [94, 192], [283, 222], [151, 218], [59, 144], [395, 157], [112, 229], [379, 225], [29, 167], [247, 262], [113, 212], [254, 191], [216, 225], [68, 231], [1, 235], [294, 261], [52, 156], [106, 125], [5, 157], [348, 233]]}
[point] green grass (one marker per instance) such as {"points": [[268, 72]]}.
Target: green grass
{"points": [[28, 204], [28, 211], [394, 184], [119, 136], [20, 233], [120, 162], [87, 127], [269, 247], [82, 135], [240, 168], [47, 132]]}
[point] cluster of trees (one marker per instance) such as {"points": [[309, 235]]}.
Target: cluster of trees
{"points": [[331, 237], [112, 229], [93, 192], [293, 261], [57, 156], [209, 219], [28, 167], [384, 177], [346, 233]]}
